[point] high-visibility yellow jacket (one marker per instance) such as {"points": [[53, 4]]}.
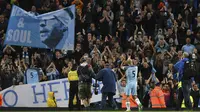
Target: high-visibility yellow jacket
{"points": [[73, 76], [183, 103], [179, 85], [51, 102]]}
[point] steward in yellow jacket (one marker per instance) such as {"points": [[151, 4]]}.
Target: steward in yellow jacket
{"points": [[73, 88], [51, 101], [183, 102]]}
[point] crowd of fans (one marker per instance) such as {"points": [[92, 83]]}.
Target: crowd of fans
{"points": [[154, 33]]}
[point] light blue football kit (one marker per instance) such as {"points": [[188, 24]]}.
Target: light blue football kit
{"points": [[131, 77]]}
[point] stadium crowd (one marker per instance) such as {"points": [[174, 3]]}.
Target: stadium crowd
{"points": [[154, 33]]}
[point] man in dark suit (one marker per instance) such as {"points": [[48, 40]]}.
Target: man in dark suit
{"points": [[108, 78]]}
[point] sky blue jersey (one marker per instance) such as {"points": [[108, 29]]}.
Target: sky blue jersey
{"points": [[131, 73]]}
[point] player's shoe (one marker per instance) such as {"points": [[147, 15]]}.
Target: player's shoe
{"points": [[128, 110], [140, 107]]}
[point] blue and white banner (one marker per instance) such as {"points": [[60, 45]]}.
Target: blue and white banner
{"points": [[35, 95], [53, 30]]}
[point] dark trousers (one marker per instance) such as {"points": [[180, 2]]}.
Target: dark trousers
{"points": [[73, 91], [145, 101], [184, 93], [110, 99]]}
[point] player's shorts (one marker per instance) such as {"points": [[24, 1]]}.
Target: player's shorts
{"points": [[131, 89]]}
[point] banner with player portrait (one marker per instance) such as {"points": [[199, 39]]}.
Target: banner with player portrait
{"points": [[53, 30]]}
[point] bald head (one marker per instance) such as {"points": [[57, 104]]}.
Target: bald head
{"points": [[185, 55]]}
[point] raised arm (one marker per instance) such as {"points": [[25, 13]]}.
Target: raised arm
{"points": [[5, 48], [24, 64], [110, 52], [102, 54], [120, 72], [122, 65], [107, 18], [169, 54], [8, 46], [11, 48], [135, 32], [81, 3], [50, 65], [102, 20], [143, 32]]}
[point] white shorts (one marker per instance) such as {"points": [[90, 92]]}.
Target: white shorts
{"points": [[131, 89]]}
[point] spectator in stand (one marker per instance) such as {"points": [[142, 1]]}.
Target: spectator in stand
{"points": [[66, 3], [122, 31], [8, 70], [189, 34], [3, 26], [121, 85], [26, 55], [161, 46], [166, 92], [158, 64], [19, 76], [68, 68], [121, 12], [111, 17], [15, 2], [149, 24], [78, 53], [195, 93], [93, 30], [146, 69], [33, 11], [88, 15], [52, 73], [104, 24], [7, 12], [79, 4], [58, 61], [189, 48]]}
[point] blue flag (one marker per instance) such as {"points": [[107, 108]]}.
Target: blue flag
{"points": [[53, 30]]}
